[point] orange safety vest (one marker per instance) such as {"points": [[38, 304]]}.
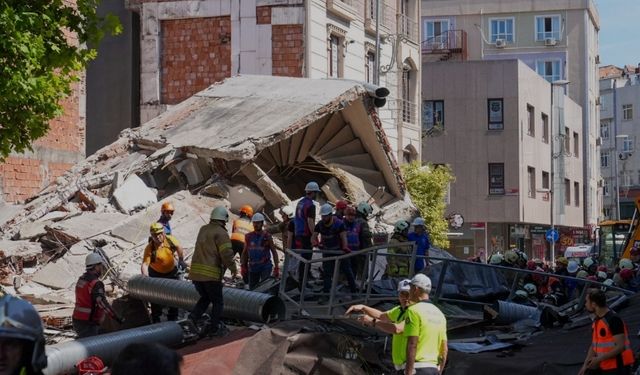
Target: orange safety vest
{"points": [[240, 228], [605, 343]]}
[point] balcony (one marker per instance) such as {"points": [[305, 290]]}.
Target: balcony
{"points": [[408, 28], [450, 45], [387, 17], [345, 9]]}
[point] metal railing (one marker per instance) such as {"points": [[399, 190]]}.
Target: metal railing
{"points": [[408, 27], [451, 41], [303, 302], [408, 111]]}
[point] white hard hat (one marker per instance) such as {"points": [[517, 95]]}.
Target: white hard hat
{"points": [[257, 218], [404, 285], [92, 259], [326, 209], [587, 262], [530, 288], [312, 186], [608, 282], [418, 221], [573, 266], [626, 264], [220, 213], [289, 212], [602, 275], [521, 293], [496, 258]]}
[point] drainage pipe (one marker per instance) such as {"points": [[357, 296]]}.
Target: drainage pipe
{"points": [[61, 358], [238, 303]]}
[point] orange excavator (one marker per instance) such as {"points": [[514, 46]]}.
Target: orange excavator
{"points": [[618, 237]]}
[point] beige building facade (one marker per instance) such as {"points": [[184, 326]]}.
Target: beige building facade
{"points": [[492, 122], [556, 39]]}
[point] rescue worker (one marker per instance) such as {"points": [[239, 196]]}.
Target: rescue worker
{"points": [[341, 205], [166, 213], [511, 257], [91, 301], [285, 227], [240, 227], [21, 338], [304, 222], [388, 321], [590, 266], [159, 260], [425, 328], [333, 236], [423, 243], [358, 238], [571, 285], [610, 351], [399, 266], [212, 253], [561, 266], [257, 254]]}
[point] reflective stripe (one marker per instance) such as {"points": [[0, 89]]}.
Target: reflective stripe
{"points": [[205, 270], [225, 246]]}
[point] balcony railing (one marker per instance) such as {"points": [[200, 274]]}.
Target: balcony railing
{"points": [[408, 28], [387, 16], [451, 44]]}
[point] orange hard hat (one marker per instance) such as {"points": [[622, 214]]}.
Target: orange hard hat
{"points": [[248, 210], [167, 206]]}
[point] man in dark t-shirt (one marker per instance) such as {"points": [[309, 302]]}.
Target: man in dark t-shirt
{"points": [[610, 351]]}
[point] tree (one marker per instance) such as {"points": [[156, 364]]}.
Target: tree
{"points": [[427, 187], [42, 52]]}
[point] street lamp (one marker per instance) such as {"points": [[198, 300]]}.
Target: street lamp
{"points": [[559, 83]]}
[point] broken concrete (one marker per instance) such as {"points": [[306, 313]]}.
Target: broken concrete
{"points": [[83, 227], [24, 249], [134, 195]]}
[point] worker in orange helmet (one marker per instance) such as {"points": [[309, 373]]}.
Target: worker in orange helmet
{"points": [[240, 227], [166, 213]]}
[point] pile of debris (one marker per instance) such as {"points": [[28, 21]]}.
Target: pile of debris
{"points": [[250, 140]]}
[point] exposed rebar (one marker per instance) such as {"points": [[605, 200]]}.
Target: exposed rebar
{"points": [[238, 303], [61, 358]]}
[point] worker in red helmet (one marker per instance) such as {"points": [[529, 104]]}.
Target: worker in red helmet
{"points": [[341, 205], [166, 213], [240, 227]]}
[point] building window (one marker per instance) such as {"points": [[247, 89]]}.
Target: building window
{"points": [[576, 144], [627, 179], [495, 109], [567, 141], [545, 180], [627, 111], [369, 66], [436, 32], [547, 27], [604, 130], [549, 69], [502, 28], [432, 114], [531, 121], [531, 174], [627, 145], [567, 192], [605, 188], [335, 59], [607, 213], [545, 128], [576, 194], [604, 159], [496, 178]]}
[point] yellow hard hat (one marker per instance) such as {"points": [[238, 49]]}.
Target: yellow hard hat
{"points": [[156, 228], [562, 260]]}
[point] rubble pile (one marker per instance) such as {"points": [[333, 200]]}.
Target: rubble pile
{"points": [[250, 140]]}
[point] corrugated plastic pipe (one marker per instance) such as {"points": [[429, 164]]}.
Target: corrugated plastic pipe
{"points": [[238, 303], [509, 312], [61, 358]]}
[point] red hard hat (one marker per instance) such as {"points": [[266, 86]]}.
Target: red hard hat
{"points": [[531, 265], [602, 268], [626, 274], [341, 205], [592, 278]]}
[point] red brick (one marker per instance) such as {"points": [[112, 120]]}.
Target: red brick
{"points": [[263, 15]]}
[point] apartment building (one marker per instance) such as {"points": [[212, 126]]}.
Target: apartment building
{"points": [[185, 46], [556, 39], [490, 122], [619, 133]]}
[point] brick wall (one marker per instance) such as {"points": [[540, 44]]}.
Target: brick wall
{"points": [[263, 15], [195, 53], [21, 178], [287, 46]]}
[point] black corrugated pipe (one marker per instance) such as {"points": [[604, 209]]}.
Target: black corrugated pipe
{"points": [[238, 303], [61, 358]]}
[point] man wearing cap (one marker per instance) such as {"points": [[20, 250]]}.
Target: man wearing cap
{"points": [[212, 252], [91, 301], [159, 260], [426, 330], [423, 243], [389, 322], [304, 221]]}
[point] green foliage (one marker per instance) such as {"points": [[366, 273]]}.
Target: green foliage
{"points": [[42, 51], [427, 187]]}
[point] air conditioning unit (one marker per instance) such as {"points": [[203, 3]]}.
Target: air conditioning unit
{"points": [[501, 43], [550, 42]]}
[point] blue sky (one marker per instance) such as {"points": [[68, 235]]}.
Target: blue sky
{"points": [[619, 32]]}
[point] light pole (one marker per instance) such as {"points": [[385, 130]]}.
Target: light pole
{"points": [[560, 83]]}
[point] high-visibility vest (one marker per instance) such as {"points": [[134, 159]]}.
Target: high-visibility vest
{"points": [[603, 344], [85, 308], [240, 228]]}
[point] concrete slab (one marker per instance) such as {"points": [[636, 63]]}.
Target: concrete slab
{"points": [[20, 248], [7, 211], [134, 195], [240, 195], [61, 274], [88, 225]]}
